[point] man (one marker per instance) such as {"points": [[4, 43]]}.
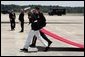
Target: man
{"points": [[21, 19], [12, 17], [34, 24], [36, 27], [40, 16]]}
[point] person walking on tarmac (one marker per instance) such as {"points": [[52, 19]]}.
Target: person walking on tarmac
{"points": [[34, 24], [41, 16], [12, 17], [21, 19]]}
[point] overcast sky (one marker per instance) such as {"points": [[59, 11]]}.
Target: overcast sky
{"points": [[60, 3]]}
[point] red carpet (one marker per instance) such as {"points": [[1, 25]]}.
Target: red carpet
{"points": [[62, 39]]}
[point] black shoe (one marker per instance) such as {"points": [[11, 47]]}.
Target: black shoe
{"points": [[32, 45], [25, 50], [46, 49], [21, 31]]}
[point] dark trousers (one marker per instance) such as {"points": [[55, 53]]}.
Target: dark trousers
{"points": [[44, 37], [12, 22], [22, 25]]}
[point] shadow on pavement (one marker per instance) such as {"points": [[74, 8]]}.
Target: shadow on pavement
{"points": [[40, 48], [70, 49]]}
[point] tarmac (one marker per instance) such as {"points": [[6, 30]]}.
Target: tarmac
{"points": [[68, 26]]}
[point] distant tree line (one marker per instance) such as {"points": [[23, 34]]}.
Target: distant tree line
{"points": [[44, 9]]}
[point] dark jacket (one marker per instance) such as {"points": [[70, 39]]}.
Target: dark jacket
{"points": [[41, 21], [12, 16], [21, 17]]}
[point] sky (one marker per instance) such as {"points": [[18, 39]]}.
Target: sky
{"points": [[60, 3]]}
